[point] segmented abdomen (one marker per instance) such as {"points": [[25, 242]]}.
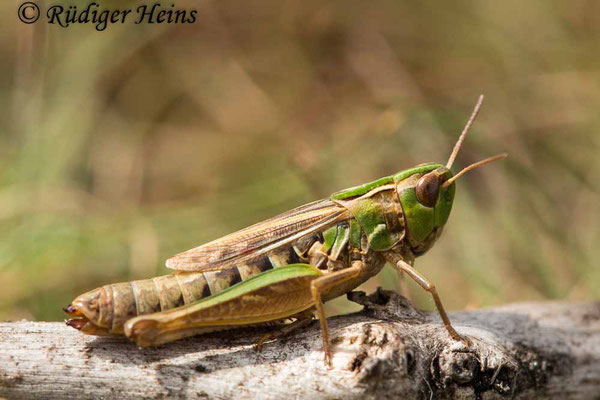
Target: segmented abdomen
{"points": [[119, 302]]}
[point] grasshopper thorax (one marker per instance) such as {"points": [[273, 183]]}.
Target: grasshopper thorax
{"points": [[426, 203]]}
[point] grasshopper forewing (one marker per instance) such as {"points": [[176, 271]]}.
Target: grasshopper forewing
{"points": [[285, 267]]}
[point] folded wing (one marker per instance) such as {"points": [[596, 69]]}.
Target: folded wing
{"points": [[260, 238]]}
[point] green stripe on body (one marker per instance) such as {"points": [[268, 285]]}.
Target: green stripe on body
{"points": [[256, 282]]}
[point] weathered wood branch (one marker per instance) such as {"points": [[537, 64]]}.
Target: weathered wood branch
{"points": [[545, 350]]}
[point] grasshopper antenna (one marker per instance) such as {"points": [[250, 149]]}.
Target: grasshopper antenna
{"points": [[461, 139], [472, 167]]}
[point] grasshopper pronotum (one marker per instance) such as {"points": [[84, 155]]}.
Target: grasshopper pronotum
{"points": [[286, 266]]}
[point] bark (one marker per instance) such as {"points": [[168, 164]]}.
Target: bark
{"points": [[548, 350]]}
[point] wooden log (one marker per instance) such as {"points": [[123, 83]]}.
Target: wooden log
{"points": [[544, 350]]}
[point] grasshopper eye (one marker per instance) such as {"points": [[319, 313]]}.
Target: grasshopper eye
{"points": [[428, 189]]}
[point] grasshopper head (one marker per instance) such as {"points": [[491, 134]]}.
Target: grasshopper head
{"points": [[426, 203], [426, 193]]}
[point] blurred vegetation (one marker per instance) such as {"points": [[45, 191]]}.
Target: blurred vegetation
{"points": [[121, 148]]}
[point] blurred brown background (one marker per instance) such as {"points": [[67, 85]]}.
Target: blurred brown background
{"points": [[123, 147]]}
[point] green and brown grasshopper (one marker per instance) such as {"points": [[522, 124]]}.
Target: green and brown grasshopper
{"points": [[285, 267]]}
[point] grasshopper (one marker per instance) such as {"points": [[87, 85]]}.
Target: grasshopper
{"points": [[284, 268]]}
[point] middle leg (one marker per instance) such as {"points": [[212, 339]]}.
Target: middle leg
{"points": [[322, 284]]}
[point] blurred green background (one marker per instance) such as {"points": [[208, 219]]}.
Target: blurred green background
{"points": [[121, 148]]}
